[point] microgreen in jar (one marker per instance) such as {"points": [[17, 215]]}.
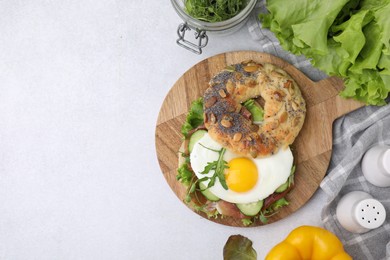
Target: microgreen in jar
{"points": [[213, 10]]}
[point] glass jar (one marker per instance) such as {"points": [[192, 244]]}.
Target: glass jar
{"points": [[222, 28]]}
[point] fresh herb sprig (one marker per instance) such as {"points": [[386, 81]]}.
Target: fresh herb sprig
{"points": [[218, 166]]}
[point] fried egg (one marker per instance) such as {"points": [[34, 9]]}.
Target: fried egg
{"points": [[248, 179]]}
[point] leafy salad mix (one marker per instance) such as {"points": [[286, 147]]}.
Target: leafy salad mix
{"points": [[345, 38]]}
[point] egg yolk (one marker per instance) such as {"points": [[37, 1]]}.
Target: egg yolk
{"points": [[242, 175]]}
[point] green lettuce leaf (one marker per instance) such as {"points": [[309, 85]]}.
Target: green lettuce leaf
{"points": [[256, 111], [239, 247], [184, 174], [384, 64], [279, 203], [349, 39], [367, 87], [194, 117], [302, 24], [381, 9], [371, 52]]}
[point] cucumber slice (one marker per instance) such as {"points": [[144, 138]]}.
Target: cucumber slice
{"points": [[194, 138], [207, 193], [250, 209], [282, 187]]}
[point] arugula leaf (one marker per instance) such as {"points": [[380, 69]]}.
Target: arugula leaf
{"points": [[210, 166], [218, 167], [239, 247], [194, 117]]}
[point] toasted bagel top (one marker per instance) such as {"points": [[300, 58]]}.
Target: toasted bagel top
{"points": [[225, 117]]}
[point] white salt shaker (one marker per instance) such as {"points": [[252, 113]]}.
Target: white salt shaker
{"points": [[376, 165], [359, 212]]}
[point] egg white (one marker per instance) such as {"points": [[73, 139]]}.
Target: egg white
{"points": [[273, 171]]}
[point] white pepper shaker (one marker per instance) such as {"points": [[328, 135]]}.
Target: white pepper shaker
{"points": [[376, 165], [359, 212]]}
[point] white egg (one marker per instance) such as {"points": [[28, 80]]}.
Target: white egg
{"points": [[273, 171]]}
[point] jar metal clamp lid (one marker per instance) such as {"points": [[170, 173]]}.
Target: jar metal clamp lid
{"points": [[201, 28], [200, 35]]}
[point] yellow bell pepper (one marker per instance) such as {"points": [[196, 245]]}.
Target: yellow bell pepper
{"points": [[308, 242]]}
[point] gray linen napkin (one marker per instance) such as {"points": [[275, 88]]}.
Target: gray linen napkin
{"points": [[353, 134]]}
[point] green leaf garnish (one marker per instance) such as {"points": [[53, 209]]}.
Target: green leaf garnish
{"points": [[184, 174], [239, 247], [246, 221], [194, 117], [263, 218], [272, 210], [218, 167], [279, 203], [256, 111]]}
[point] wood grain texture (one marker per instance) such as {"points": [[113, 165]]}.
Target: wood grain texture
{"points": [[312, 148]]}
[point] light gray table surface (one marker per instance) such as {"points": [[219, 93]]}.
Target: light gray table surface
{"points": [[81, 85]]}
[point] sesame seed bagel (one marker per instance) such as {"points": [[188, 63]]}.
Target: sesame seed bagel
{"points": [[228, 122]]}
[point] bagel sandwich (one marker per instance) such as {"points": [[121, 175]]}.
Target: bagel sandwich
{"points": [[235, 159]]}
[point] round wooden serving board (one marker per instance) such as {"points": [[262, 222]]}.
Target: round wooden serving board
{"points": [[312, 148]]}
